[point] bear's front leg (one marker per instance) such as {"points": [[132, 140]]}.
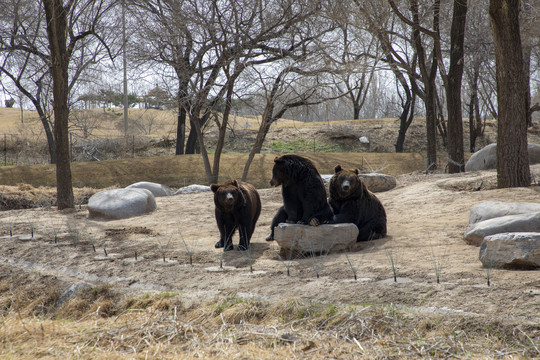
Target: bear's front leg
{"points": [[220, 244], [225, 240]]}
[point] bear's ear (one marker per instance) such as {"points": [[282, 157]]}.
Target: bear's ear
{"points": [[235, 183], [356, 171], [337, 168], [276, 159], [214, 187]]}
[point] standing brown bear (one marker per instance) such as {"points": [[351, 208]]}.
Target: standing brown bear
{"points": [[352, 202], [238, 206], [303, 191]]}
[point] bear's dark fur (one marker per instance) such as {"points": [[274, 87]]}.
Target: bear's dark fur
{"points": [[303, 191], [238, 206], [352, 202]]}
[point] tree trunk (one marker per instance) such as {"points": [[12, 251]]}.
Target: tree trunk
{"points": [[56, 31], [191, 143], [512, 154], [527, 83], [182, 114], [266, 121], [456, 161], [49, 135], [428, 78]]}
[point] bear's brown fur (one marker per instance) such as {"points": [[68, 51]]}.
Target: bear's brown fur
{"points": [[238, 206], [352, 202]]}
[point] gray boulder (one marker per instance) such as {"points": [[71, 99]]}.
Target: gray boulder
{"points": [[511, 250], [121, 203], [486, 158], [378, 182], [476, 232], [375, 182], [192, 189], [156, 189], [492, 209], [315, 239]]}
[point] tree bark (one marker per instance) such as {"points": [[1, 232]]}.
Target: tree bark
{"points": [[512, 154], [56, 16], [456, 161]]}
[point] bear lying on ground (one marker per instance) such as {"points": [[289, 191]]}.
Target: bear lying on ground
{"points": [[238, 206], [303, 191], [352, 202]]}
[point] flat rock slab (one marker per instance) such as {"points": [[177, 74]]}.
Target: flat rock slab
{"points": [[121, 203], [320, 239], [492, 209], [156, 189], [511, 250], [476, 232]]}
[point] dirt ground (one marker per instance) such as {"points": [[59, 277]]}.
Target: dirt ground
{"points": [[427, 216]]}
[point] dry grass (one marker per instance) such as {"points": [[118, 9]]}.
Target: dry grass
{"points": [[178, 171], [25, 196], [158, 326]]}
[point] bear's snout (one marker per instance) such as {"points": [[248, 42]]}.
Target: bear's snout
{"points": [[346, 185], [229, 198]]}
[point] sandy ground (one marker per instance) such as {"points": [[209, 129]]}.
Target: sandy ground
{"points": [[427, 216]]}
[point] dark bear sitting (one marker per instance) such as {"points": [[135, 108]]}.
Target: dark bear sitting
{"points": [[303, 191], [352, 202], [238, 206]]}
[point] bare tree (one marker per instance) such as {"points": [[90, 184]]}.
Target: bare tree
{"points": [[512, 153], [210, 44], [456, 161], [56, 16], [66, 30], [25, 57], [289, 89], [428, 69]]}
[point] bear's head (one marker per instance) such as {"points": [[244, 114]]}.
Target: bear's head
{"points": [[289, 168], [346, 183], [228, 195], [280, 172]]}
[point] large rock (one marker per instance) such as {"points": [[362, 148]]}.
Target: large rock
{"points": [[156, 189], [492, 209], [374, 182], [315, 239], [121, 203], [511, 250], [378, 182], [486, 158], [510, 223], [192, 189]]}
